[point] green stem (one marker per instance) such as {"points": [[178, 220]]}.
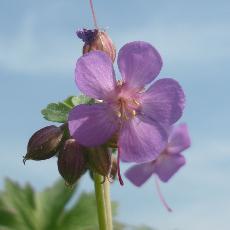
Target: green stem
{"points": [[100, 198], [106, 186]]}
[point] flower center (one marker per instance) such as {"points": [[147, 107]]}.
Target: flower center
{"points": [[127, 102], [127, 108]]}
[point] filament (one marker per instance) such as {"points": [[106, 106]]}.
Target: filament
{"points": [[93, 13], [118, 167], [161, 196]]}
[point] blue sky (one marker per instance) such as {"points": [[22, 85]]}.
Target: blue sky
{"points": [[38, 51]]}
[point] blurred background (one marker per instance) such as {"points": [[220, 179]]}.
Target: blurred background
{"points": [[38, 52]]}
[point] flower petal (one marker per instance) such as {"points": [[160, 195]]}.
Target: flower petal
{"points": [[163, 101], [139, 174], [179, 139], [139, 63], [94, 74], [92, 125], [141, 140], [167, 165]]}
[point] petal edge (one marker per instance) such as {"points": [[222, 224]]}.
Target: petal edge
{"points": [[94, 74], [139, 63]]}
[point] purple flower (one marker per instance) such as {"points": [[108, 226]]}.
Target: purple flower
{"points": [[140, 118], [168, 162]]}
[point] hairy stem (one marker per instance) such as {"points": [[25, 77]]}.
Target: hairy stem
{"points": [[103, 203]]}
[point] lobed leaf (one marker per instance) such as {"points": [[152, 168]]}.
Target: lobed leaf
{"points": [[50, 204], [58, 112]]}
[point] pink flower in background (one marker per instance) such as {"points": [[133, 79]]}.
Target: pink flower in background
{"points": [[139, 118], [168, 162]]}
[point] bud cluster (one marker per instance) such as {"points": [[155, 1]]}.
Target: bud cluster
{"points": [[73, 159]]}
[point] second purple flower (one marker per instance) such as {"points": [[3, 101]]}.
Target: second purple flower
{"points": [[140, 118]]}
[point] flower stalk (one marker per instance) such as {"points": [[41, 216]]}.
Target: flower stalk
{"points": [[102, 192], [106, 186]]}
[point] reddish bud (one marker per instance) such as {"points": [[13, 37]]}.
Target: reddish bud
{"points": [[44, 143], [71, 161], [97, 40], [99, 160]]}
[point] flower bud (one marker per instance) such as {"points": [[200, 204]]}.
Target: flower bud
{"points": [[97, 40], [87, 36], [71, 161], [99, 160], [44, 143]]}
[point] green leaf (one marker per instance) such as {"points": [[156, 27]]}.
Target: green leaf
{"points": [[68, 101], [22, 208], [50, 204], [83, 215], [58, 112], [7, 218], [21, 201], [82, 99]]}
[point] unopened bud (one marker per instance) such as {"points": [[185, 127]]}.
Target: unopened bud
{"points": [[44, 143], [87, 36], [71, 161], [97, 40], [99, 160]]}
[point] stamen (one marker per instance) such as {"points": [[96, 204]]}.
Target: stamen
{"points": [[134, 113], [161, 196], [119, 114], [99, 101], [119, 82], [93, 13], [118, 167], [125, 117], [136, 102], [123, 111]]}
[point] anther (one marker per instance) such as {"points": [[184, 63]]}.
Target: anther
{"points": [[119, 114], [134, 113], [136, 102], [119, 82]]}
